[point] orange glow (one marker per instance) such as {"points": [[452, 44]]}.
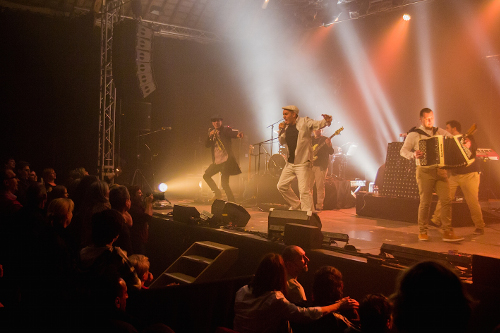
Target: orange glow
{"points": [[490, 15], [315, 40], [390, 49]]}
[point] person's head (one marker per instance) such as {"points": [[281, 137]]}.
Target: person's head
{"points": [[427, 118], [270, 275], [375, 314], [429, 297], [453, 127], [98, 192], [295, 260], [141, 265], [9, 180], [60, 212], [318, 133], [36, 195], [23, 170], [328, 286], [106, 226], [49, 175], [10, 163], [119, 198], [33, 177], [59, 191], [216, 121], [290, 114], [135, 194]]}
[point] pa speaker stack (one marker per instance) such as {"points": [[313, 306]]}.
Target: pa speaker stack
{"points": [[295, 227], [132, 60]]}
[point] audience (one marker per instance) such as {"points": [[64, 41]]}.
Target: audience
{"points": [[102, 257], [375, 314], [119, 198], [23, 174], [141, 212], [430, 297], [328, 288], [295, 263], [141, 265], [49, 179], [33, 177], [262, 306]]}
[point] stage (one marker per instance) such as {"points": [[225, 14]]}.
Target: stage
{"points": [[367, 234]]}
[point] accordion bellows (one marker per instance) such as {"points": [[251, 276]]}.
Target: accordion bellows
{"points": [[444, 151]]}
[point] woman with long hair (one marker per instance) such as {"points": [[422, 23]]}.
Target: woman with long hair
{"points": [[262, 307]]}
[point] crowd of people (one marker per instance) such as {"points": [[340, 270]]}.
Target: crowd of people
{"points": [[71, 254]]}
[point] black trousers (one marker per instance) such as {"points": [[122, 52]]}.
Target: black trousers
{"points": [[214, 169]]}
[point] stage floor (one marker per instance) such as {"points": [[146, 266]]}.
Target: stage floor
{"points": [[368, 234]]}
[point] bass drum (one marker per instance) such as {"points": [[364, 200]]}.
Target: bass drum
{"points": [[276, 164]]}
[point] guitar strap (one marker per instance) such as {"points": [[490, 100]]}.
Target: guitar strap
{"points": [[419, 131]]}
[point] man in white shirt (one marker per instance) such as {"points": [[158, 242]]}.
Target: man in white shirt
{"points": [[296, 133]]}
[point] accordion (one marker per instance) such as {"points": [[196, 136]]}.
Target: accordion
{"points": [[448, 152]]}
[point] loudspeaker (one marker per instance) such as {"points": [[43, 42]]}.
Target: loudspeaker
{"points": [[137, 116], [485, 270], [277, 220], [186, 214], [305, 236], [230, 212], [132, 47]]}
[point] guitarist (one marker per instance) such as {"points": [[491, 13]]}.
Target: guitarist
{"points": [[322, 149]]}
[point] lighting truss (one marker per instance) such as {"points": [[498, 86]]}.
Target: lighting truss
{"points": [[107, 109]]}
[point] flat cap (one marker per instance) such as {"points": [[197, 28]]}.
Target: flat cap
{"points": [[292, 108]]}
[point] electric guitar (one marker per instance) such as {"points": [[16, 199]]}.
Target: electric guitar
{"points": [[317, 147]]}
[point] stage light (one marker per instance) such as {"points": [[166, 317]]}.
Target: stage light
{"points": [[162, 187], [406, 17], [264, 5], [200, 184]]}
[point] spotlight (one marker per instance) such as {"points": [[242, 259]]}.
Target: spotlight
{"points": [[406, 17], [200, 184], [162, 187]]}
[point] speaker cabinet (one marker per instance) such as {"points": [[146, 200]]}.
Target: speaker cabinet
{"points": [[186, 214], [277, 220], [230, 212], [305, 236], [485, 270], [132, 48]]}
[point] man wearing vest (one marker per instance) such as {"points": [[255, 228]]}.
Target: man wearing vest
{"points": [[429, 178]]}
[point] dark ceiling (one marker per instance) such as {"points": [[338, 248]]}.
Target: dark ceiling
{"points": [[218, 16]]}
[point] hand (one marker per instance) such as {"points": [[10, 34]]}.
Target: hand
{"points": [[282, 126], [149, 199], [467, 143], [419, 154], [348, 303], [328, 118], [328, 142], [212, 132], [240, 135]]}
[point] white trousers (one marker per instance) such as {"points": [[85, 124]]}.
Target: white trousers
{"points": [[319, 179], [303, 173]]}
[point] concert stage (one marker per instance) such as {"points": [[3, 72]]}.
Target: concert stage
{"points": [[364, 271]]}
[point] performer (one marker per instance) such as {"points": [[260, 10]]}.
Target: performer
{"points": [[296, 132], [223, 160], [320, 165], [467, 177], [429, 178]]}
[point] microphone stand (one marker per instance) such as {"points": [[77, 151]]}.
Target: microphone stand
{"points": [[272, 132], [260, 145]]}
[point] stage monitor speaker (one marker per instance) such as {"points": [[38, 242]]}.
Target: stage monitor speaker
{"points": [[485, 270], [186, 214], [230, 212], [132, 49], [305, 236], [278, 218], [137, 116]]}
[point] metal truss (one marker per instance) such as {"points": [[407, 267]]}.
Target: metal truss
{"points": [[174, 31], [106, 151]]}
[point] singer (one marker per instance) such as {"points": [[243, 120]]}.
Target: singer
{"points": [[296, 132], [223, 161]]}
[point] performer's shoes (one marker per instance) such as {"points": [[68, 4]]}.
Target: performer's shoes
{"points": [[449, 236], [478, 231], [423, 237]]}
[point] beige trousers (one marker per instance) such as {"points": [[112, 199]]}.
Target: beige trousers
{"points": [[430, 180], [469, 183]]}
